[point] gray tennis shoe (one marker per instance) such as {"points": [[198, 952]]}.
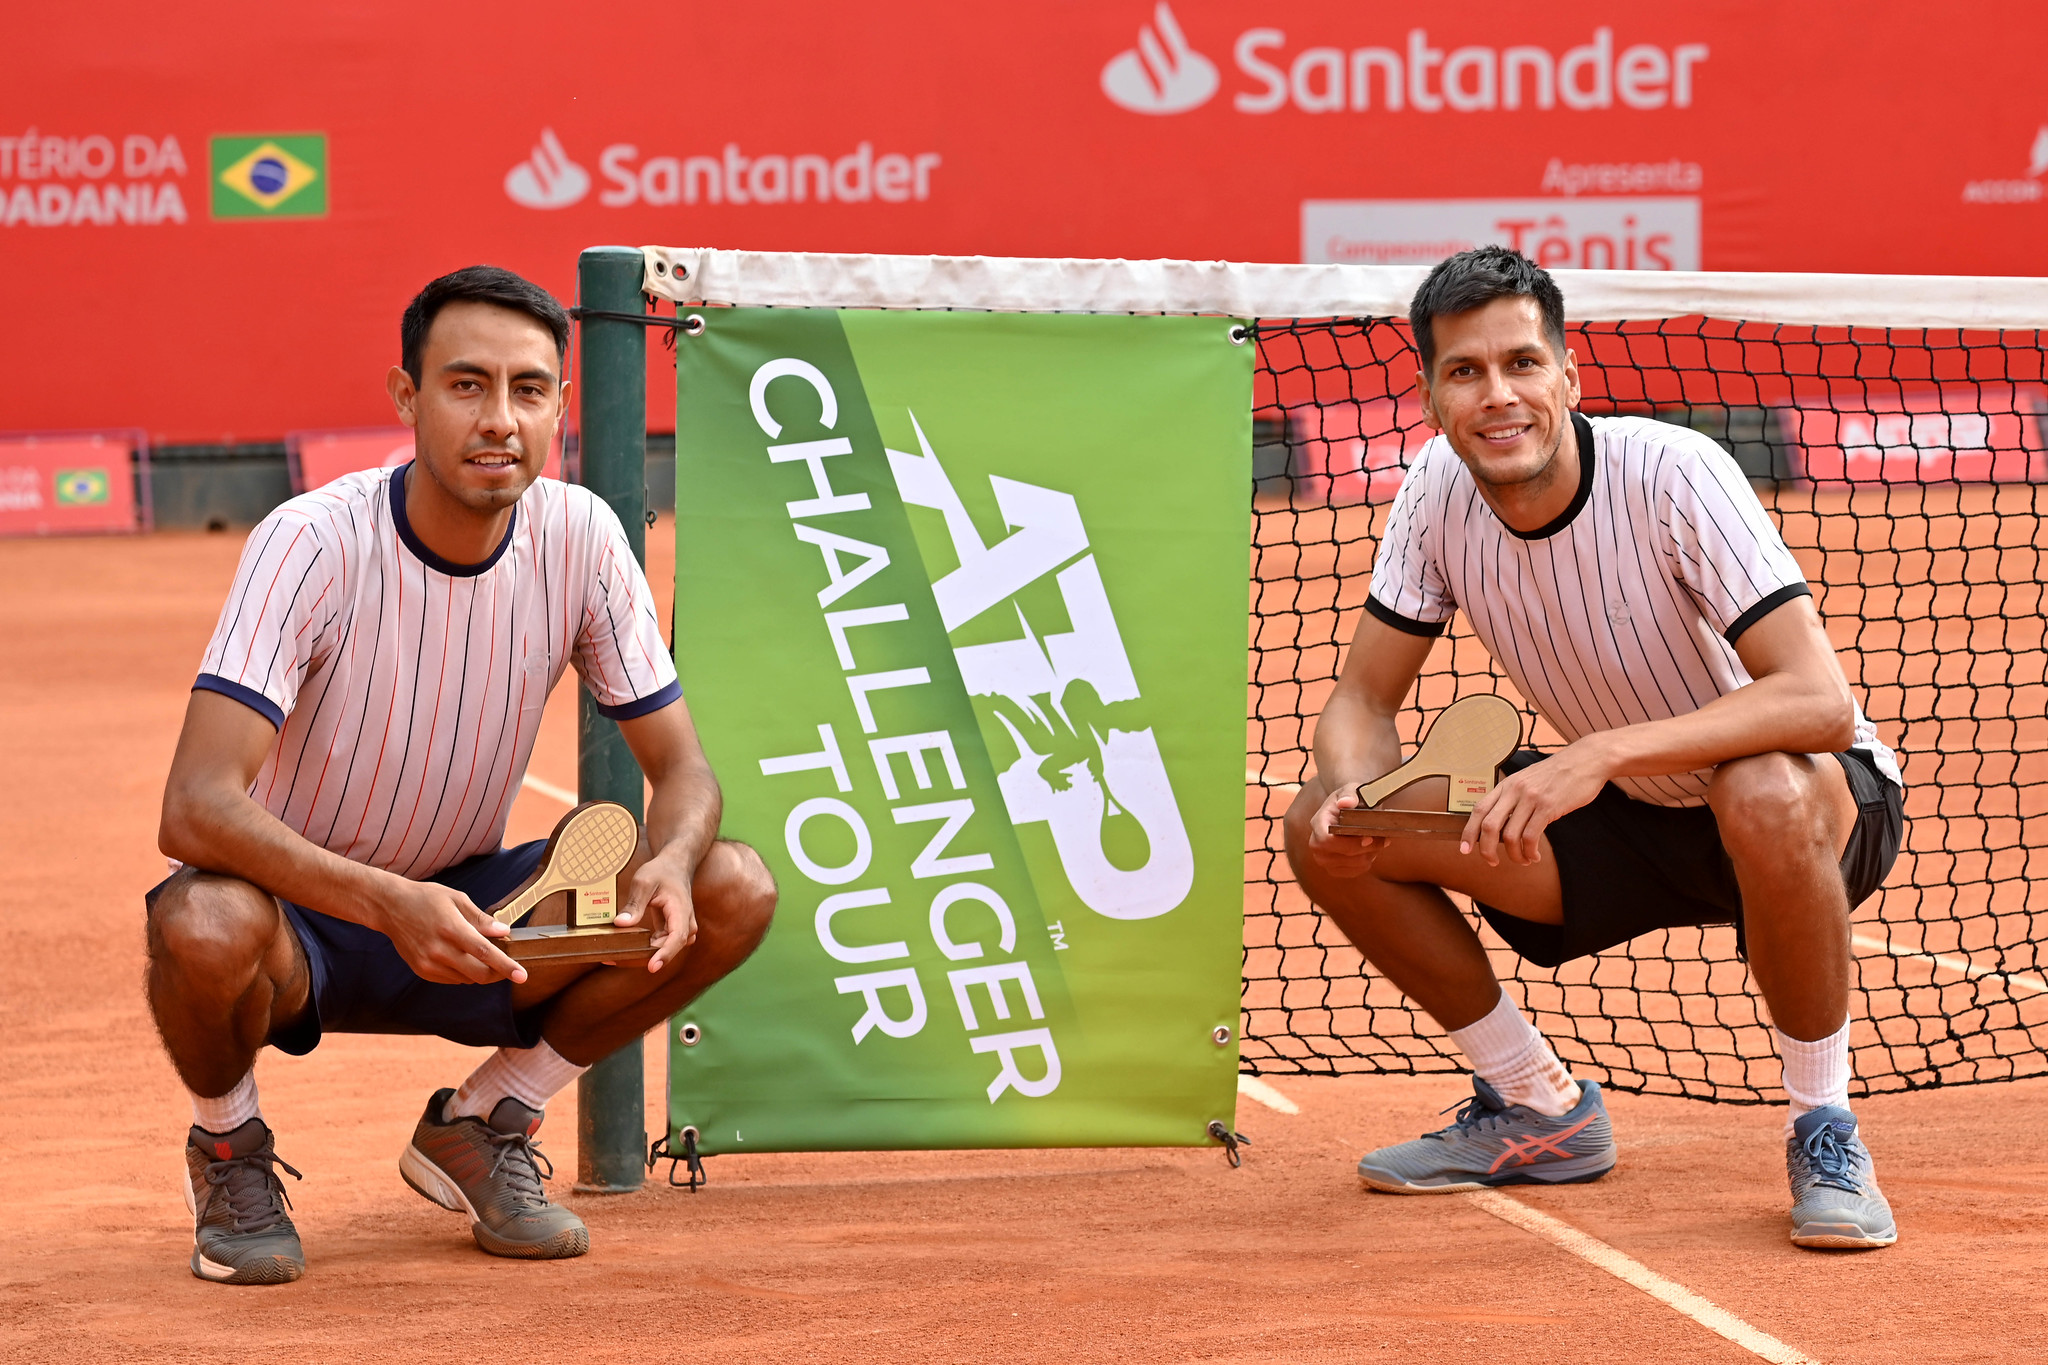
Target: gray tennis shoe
{"points": [[492, 1172], [1835, 1199], [1492, 1142], [241, 1232]]}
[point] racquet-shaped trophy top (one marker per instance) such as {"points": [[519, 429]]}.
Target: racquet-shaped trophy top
{"points": [[1471, 735], [1466, 743], [584, 854]]}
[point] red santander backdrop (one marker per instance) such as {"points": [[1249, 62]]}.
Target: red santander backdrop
{"points": [[143, 290]]}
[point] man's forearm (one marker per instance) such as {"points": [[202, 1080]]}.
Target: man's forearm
{"points": [[227, 832], [683, 814], [1782, 713], [1355, 742]]}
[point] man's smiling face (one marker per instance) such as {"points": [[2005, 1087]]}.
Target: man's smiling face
{"points": [[1500, 393], [489, 399]]}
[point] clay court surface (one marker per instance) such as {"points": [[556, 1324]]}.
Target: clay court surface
{"points": [[1021, 1256]]}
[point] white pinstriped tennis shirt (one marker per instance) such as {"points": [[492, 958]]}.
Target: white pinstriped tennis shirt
{"points": [[407, 691], [1626, 608]]}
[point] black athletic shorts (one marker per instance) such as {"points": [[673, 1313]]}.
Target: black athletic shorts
{"points": [[361, 984], [1628, 867]]}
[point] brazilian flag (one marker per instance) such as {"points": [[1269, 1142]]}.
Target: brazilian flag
{"points": [[81, 487], [269, 175]]}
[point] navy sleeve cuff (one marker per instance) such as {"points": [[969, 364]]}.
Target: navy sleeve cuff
{"points": [[1763, 608], [1383, 612], [652, 702], [248, 696]]}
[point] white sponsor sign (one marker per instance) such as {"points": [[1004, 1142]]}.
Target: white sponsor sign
{"points": [[1583, 233]]}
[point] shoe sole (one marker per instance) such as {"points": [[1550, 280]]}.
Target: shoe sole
{"points": [[1391, 1184], [431, 1183], [1842, 1237], [269, 1270]]}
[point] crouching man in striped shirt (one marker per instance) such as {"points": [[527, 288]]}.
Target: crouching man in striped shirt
{"points": [[361, 723], [1625, 578]]}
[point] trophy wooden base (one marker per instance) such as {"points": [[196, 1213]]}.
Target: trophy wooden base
{"points": [[561, 945], [1400, 824]]}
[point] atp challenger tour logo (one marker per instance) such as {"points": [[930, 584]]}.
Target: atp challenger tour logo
{"points": [[1098, 770], [1066, 699]]}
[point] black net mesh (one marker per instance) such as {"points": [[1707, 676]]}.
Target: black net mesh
{"points": [[1906, 471]]}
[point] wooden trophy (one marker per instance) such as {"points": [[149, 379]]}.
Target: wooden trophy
{"points": [[1457, 764], [583, 857]]}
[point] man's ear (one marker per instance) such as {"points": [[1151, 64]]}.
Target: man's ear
{"points": [[404, 394], [1571, 378], [1429, 417]]}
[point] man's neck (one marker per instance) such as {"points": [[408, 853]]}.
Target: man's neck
{"points": [[458, 534], [1530, 506]]}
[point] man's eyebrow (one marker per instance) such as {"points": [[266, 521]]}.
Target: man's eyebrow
{"points": [[1535, 348], [471, 367]]}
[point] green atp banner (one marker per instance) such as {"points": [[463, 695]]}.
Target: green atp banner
{"points": [[960, 613]]}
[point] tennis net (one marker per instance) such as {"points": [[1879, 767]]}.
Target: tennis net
{"points": [[1905, 467], [1896, 428]]}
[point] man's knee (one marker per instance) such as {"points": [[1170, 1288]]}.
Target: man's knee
{"points": [[1769, 804], [219, 923], [736, 898]]}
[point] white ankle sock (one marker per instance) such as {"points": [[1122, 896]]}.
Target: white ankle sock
{"points": [[1511, 1056], [529, 1075], [1816, 1073], [229, 1111]]}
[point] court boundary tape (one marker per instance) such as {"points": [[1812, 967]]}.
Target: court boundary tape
{"points": [[1252, 1088], [549, 790], [1626, 1268], [1964, 966]]}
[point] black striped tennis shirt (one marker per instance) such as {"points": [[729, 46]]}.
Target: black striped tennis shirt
{"points": [[1624, 609]]}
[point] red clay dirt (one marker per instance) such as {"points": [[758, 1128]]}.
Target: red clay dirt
{"points": [[1024, 1256]]}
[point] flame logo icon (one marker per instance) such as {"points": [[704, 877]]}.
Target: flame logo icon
{"points": [[548, 179], [2040, 165], [1162, 75]]}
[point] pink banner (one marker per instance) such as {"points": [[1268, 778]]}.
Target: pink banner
{"points": [[67, 483]]}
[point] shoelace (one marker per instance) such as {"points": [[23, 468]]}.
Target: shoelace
{"points": [[249, 1184], [1472, 1113], [1836, 1164], [524, 1176]]}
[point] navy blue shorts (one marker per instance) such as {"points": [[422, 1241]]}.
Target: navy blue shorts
{"points": [[361, 985]]}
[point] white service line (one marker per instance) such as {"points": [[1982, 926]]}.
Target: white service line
{"points": [[1252, 1088], [1962, 965], [1259, 779], [1623, 1267], [549, 790]]}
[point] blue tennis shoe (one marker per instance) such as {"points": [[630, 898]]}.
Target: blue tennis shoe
{"points": [[1492, 1142], [1835, 1199]]}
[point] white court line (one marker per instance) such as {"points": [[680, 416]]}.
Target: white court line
{"points": [[549, 790], [1259, 779], [1252, 1088], [1961, 965], [1623, 1267]]}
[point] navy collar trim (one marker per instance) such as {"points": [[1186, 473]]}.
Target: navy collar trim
{"points": [[419, 547], [1583, 430]]}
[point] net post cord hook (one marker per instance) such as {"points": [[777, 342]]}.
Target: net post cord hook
{"points": [[688, 1158], [1231, 1142]]}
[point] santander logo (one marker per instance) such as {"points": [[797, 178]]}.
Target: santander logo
{"points": [[548, 179], [1162, 75]]}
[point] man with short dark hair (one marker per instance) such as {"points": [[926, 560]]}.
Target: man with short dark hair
{"points": [[361, 723], [1626, 579]]}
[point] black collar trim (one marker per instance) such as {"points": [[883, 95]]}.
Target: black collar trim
{"points": [[419, 547], [1583, 430]]}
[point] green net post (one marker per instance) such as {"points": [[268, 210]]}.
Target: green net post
{"points": [[611, 1138]]}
